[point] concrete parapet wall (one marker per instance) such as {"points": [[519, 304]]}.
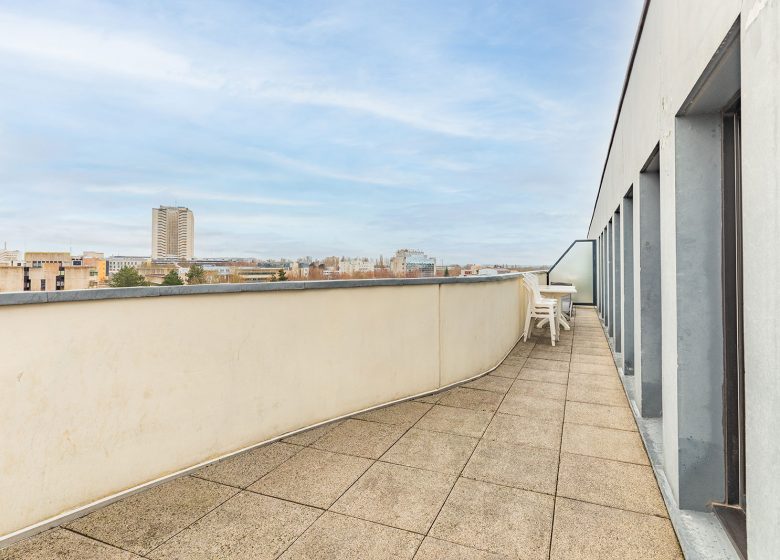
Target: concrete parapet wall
{"points": [[99, 395]]}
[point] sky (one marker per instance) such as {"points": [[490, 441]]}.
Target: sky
{"points": [[475, 131]]}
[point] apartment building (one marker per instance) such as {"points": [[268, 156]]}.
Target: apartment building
{"points": [[356, 266], [173, 233], [46, 271], [116, 263], [407, 262]]}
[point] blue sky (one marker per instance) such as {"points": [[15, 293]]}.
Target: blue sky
{"points": [[475, 131]]}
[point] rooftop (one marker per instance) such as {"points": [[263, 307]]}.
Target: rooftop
{"points": [[540, 458]]}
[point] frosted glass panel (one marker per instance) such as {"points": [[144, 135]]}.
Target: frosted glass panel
{"points": [[576, 267]]}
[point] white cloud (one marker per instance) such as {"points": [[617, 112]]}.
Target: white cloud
{"points": [[282, 79], [184, 195], [387, 179], [98, 50]]}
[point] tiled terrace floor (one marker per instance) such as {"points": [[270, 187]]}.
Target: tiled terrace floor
{"points": [[539, 459]]}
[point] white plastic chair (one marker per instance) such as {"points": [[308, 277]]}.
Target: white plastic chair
{"points": [[539, 308]]}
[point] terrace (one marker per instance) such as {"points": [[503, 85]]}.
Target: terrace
{"points": [[537, 456]]}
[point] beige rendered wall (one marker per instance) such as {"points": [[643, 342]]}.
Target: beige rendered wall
{"points": [[121, 392], [478, 326]]}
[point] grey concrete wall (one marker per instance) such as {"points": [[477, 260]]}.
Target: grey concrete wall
{"points": [[698, 214], [647, 285], [678, 42], [627, 284], [761, 271], [602, 275], [617, 274], [599, 275], [610, 281]]}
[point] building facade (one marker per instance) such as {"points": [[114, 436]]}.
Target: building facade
{"points": [[8, 256], [356, 266], [116, 263], [47, 272], [173, 233], [686, 223], [407, 262]]}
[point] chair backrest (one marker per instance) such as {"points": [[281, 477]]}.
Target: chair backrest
{"points": [[532, 284]]}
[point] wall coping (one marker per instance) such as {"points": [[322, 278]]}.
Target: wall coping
{"points": [[96, 294]]}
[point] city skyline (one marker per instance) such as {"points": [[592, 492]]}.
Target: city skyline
{"points": [[314, 129]]}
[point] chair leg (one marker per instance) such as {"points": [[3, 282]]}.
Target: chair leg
{"points": [[553, 320], [527, 322]]}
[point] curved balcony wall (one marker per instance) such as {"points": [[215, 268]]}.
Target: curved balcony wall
{"points": [[105, 391]]}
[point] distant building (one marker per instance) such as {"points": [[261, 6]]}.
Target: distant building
{"points": [[449, 270], [408, 262], [47, 272], [154, 272], [173, 233], [8, 256], [117, 263], [97, 261], [356, 266], [300, 269], [492, 271]]}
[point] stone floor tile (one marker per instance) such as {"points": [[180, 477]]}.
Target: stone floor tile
{"points": [[542, 339], [592, 351], [520, 430], [496, 518], [610, 483], [554, 365], [455, 421], [436, 549], [472, 399], [539, 389], [143, 521], [431, 399], [337, 537], [63, 545], [598, 381], [402, 497], [313, 477], [618, 445], [246, 526], [596, 395], [593, 369], [546, 376], [243, 469], [493, 383], [506, 370], [520, 466], [585, 359], [555, 353], [514, 360], [584, 531], [617, 417], [587, 346], [522, 348], [434, 451], [360, 438], [310, 436], [401, 414], [532, 407]]}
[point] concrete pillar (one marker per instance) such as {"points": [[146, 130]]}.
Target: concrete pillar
{"points": [[599, 278], [617, 300], [647, 287], [627, 283], [699, 308], [601, 274], [610, 279]]}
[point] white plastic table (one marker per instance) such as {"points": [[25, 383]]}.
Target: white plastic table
{"points": [[557, 292]]}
